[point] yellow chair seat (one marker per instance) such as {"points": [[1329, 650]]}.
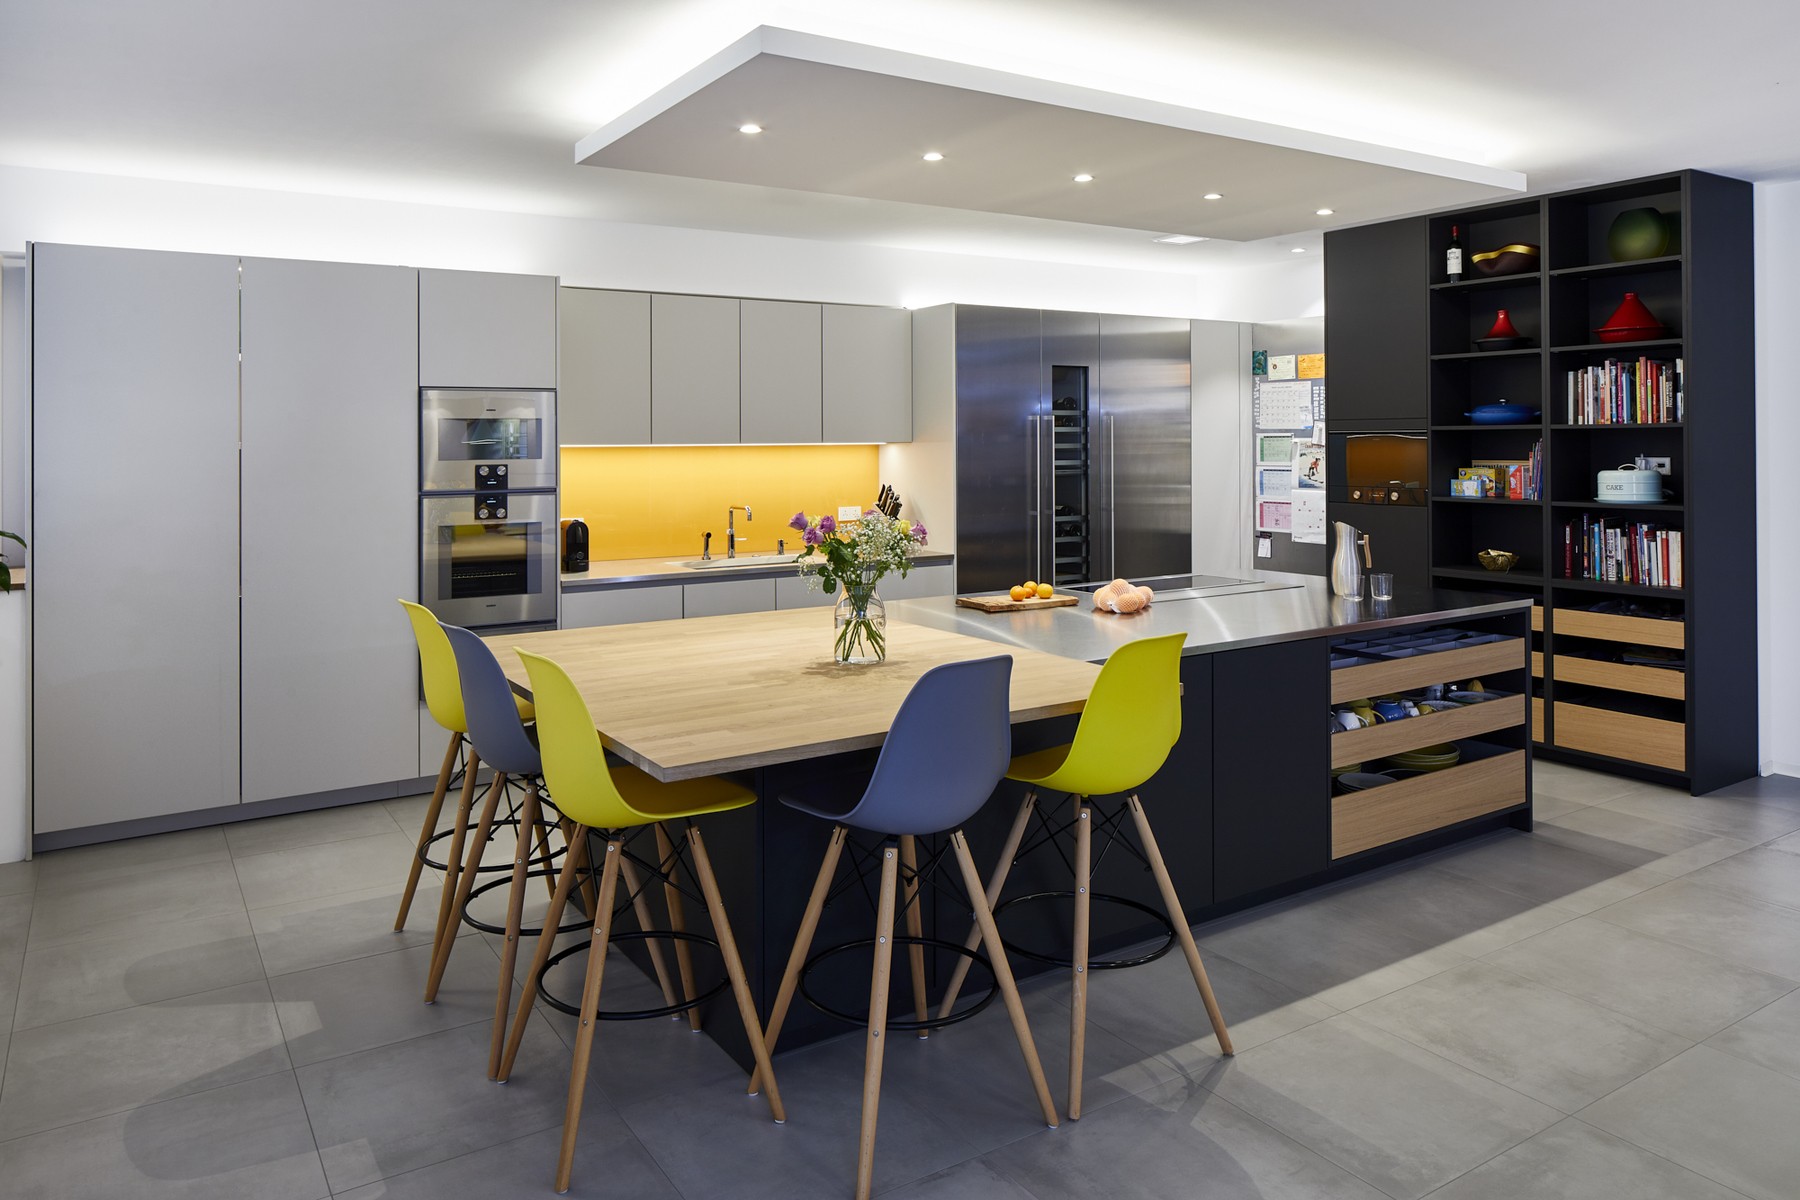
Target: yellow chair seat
{"points": [[684, 798], [1040, 767], [526, 711]]}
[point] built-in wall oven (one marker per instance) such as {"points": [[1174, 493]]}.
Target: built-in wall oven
{"points": [[487, 507]]}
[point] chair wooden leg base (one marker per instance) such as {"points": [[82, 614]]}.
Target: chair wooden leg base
{"points": [[590, 1004], [565, 884], [1179, 919], [995, 884], [1078, 972], [453, 860], [803, 940], [878, 1004], [684, 958], [909, 897], [465, 883], [515, 912], [432, 812], [734, 969]]}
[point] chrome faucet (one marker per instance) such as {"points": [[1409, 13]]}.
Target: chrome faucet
{"points": [[706, 547], [731, 528]]}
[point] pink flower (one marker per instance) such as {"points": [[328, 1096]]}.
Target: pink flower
{"points": [[797, 521], [827, 524], [812, 536], [918, 532]]}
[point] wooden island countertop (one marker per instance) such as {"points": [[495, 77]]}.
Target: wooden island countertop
{"points": [[682, 699]]}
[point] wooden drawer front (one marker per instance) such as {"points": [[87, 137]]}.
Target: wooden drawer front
{"points": [[1537, 618], [1622, 735], [1379, 741], [1645, 681], [1537, 719], [1537, 664], [1643, 630], [1364, 820], [1403, 674]]}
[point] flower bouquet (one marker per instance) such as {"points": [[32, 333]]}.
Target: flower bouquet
{"points": [[853, 557]]}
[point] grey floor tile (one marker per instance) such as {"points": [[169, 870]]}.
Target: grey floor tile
{"points": [[1579, 785], [1325, 953], [1540, 870], [1177, 1141], [1747, 818], [246, 1139], [308, 872], [1534, 1039], [1731, 926], [18, 878], [1575, 1161], [77, 1070], [15, 923], [1638, 841], [1773, 789], [1545, 806], [395, 1109], [749, 1157], [62, 869], [1730, 1120], [609, 1162], [1447, 911], [368, 1002], [119, 905], [339, 824], [78, 979], [1654, 981], [1770, 1036], [973, 1180], [343, 926], [1398, 1116], [1787, 845], [1759, 872]]}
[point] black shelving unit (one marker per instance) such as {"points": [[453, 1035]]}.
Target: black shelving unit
{"points": [[1697, 727]]}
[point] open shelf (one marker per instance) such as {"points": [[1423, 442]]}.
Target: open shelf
{"points": [[1616, 347], [1462, 354], [1519, 578], [1668, 262], [1481, 281], [1623, 589], [1481, 500]]}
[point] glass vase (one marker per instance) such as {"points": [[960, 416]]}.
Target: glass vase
{"points": [[861, 622]]}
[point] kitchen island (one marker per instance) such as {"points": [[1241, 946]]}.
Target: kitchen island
{"points": [[1244, 808]]}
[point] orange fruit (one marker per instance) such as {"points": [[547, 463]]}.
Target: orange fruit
{"points": [[1045, 591], [1031, 585], [1017, 593]]}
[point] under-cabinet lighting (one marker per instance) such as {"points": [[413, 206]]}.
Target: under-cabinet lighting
{"points": [[750, 127], [1084, 177], [1325, 212], [1212, 196], [933, 156]]}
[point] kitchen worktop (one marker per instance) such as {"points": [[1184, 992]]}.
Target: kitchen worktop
{"points": [[618, 571], [1307, 609]]}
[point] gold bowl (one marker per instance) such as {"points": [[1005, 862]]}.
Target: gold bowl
{"points": [[1507, 260], [1497, 560]]}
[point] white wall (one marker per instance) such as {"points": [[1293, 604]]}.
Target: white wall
{"points": [[1777, 433]]}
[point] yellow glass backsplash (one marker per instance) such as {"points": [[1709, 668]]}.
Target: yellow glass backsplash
{"points": [[648, 501]]}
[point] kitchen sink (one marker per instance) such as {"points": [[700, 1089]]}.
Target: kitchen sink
{"points": [[742, 560]]}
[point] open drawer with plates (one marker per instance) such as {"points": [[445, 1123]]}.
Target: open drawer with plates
{"points": [[1488, 779], [1430, 729]]}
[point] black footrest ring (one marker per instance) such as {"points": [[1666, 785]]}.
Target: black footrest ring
{"points": [[1094, 964], [581, 920], [893, 1024], [636, 1014]]}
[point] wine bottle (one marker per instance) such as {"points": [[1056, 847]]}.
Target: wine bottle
{"points": [[1453, 256]]}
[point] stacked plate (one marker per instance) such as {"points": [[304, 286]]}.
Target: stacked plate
{"points": [[1427, 758], [1345, 769], [1358, 781]]}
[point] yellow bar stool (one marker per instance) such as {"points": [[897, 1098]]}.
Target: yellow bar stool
{"points": [[612, 802], [443, 697], [1131, 722]]}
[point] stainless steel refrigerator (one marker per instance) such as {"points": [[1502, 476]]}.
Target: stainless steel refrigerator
{"points": [[1073, 447]]}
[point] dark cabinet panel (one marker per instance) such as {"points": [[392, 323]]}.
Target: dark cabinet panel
{"points": [[1398, 542], [1377, 326], [1271, 767]]}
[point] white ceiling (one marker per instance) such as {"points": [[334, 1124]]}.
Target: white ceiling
{"points": [[477, 104]]}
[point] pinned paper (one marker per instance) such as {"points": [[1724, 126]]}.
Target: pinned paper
{"points": [[1273, 516], [1259, 362], [1283, 366], [1287, 405], [1309, 465], [1274, 482], [1312, 366], [1308, 517], [1275, 449]]}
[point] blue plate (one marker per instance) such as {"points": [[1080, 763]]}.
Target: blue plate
{"points": [[1503, 414]]}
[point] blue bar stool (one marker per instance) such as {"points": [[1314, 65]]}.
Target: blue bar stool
{"points": [[943, 757]]}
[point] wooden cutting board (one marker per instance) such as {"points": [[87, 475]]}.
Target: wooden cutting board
{"points": [[1004, 603]]}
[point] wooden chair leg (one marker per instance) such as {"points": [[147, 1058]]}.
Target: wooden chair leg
{"points": [[995, 884], [1003, 976], [734, 969], [432, 812], [590, 894], [640, 907], [803, 940], [1078, 958], [509, 953], [543, 851], [565, 883], [590, 1004], [684, 957], [465, 883], [878, 1005], [1183, 934], [909, 898], [460, 832]]}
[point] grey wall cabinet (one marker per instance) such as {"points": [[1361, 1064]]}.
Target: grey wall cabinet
{"points": [[135, 534], [621, 606], [486, 330], [780, 397], [603, 382], [330, 674], [924, 579], [867, 374], [693, 369], [796, 591], [722, 597]]}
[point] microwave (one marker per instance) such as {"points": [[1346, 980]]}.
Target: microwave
{"points": [[486, 440]]}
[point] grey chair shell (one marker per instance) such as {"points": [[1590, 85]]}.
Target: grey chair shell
{"points": [[488, 705]]}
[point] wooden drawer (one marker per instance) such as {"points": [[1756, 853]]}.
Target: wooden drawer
{"points": [[1404, 674], [1363, 820], [1643, 630], [1537, 664], [1379, 741], [1621, 735], [1537, 618], [1537, 719], [1622, 677]]}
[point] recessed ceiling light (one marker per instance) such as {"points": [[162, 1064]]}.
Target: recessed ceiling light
{"points": [[1178, 239], [934, 156], [1326, 212], [750, 127], [1212, 196], [1084, 177], [1298, 250]]}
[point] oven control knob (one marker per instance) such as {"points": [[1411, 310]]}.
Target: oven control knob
{"points": [[500, 512], [500, 470], [481, 470], [482, 513]]}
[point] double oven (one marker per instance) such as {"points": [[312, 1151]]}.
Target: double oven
{"points": [[487, 507]]}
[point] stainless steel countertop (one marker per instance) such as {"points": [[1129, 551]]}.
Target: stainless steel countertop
{"points": [[1212, 623], [623, 572]]}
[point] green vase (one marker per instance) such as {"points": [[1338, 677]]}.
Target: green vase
{"points": [[1638, 233]]}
